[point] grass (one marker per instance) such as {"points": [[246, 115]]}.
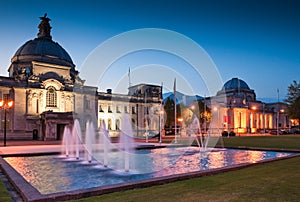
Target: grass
{"points": [[274, 142], [4, 195], [276, 181]]}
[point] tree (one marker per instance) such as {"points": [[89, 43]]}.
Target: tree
{"points": [[293, 100], [170, 111], [204, 113]]}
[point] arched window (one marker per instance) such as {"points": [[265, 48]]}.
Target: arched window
{"points": [[51, 97]]}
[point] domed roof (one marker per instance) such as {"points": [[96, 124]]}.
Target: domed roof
{"points": [[235, 83], [43, 47]]}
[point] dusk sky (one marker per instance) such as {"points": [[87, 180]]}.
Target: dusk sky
{"points": [[257, 41]]}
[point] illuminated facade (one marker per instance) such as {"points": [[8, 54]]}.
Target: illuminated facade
{"points": [[42, 81], [236, 109], [48, 94], [143, 103]]}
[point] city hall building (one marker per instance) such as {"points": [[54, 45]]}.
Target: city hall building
{"points": [[48, 94]]}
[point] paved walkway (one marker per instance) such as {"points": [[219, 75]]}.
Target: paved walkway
{"points": [[41, 147], [35, 146]]}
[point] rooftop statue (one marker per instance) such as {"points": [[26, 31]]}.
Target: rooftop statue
{"points": [[44, 27]]}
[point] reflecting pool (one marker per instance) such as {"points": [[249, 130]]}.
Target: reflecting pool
{"points": [[56, 173]]}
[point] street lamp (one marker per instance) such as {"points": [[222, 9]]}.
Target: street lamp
{"points": [[180, 120], [5, 105]]}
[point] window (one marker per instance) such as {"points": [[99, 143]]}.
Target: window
{"points": [[109, 124], [86, 103], [109, 109], [118, 109], [125, 109], [117, 124], [51, 97], [133, 110], [100, 108]]}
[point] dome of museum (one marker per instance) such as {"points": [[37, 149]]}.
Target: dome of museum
{"points": [[43, 48], [235, 83]]}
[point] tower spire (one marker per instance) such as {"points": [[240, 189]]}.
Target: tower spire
{"points": [[44, 27]]}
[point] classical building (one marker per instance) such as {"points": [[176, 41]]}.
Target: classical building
{"points": [[45, 88], [143, 103], [48, 94], [235, 108]]}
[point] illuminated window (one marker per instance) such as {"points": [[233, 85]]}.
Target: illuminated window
{"points": [[51, 97], [117, 124], [109, 124]]}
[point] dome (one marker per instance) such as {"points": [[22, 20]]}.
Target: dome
{"points": [[43, 47], [235, 83]]}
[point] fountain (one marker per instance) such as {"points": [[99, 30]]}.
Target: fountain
{"points": [[194, 127], [104, 140], [63, 177], [126, 141], [89, 140], [76, 134]]}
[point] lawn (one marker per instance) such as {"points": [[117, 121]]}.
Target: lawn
{"points": [[4, 195], [276, 142], [276, 181]]}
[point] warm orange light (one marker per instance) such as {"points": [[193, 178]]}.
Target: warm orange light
{"points": [[180, 119], [282, 110], [254, 107], [6, 105], [10, 104], [193, 107], [215, 108]]}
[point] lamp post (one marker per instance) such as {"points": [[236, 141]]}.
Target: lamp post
{"points": [[180, 121], [5, 105]]}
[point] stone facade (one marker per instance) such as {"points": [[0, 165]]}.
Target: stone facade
{"points": [[48, 94], [235, 108]]}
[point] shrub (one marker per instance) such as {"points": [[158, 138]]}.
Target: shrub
{"points": [[232, 133], [224, 134]]}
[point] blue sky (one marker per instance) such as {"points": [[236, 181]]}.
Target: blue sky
{"points": [[255, 40]]}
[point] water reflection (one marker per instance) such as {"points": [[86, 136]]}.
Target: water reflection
{"points": [[50, 174]]}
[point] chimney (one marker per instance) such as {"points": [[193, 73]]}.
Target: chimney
{"points": [[108, 91]]}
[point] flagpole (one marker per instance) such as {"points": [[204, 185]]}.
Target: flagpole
{"points": [[175, 106], [129, 80]]}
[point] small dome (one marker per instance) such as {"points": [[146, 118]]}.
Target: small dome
{"points": [[235, 83], [43, 47]]}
